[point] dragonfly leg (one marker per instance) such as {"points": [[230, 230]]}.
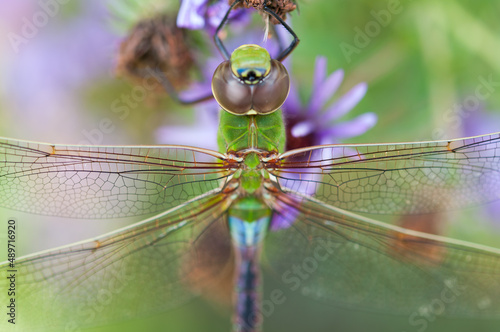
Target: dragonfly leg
{"points": [[218, 42], [279, 39], [295, 40], [284, 53]]}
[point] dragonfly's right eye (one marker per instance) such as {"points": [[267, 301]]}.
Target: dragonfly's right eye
{"points": [[250, 82]]}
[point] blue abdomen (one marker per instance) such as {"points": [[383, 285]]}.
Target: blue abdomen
{"points": [[248, 223]]}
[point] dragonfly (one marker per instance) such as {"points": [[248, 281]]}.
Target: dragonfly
{"points": [[215, 215]]}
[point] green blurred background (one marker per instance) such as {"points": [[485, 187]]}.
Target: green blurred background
{"points": [[422, 68]]}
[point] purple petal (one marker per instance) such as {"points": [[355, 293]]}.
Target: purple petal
{"points": [[199, 89], [302, 179], [318, 78], [326, 90], [493, 211], [346, 102], [252, 37], [203, 88], [198, 136], [292, 105], [285, 214], [202, 134], [196, 90], [479, 122], [302, 129], [283, 219], [216, 13], [319, 72], [285, 37], [352, 128], [190, 15]]}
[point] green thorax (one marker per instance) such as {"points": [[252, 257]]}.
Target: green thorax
{"points": [[261, 132]]}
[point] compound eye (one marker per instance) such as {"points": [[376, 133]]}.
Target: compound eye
{"points": [[271, 93], [240, 98], [250, 82], [232, 95]]}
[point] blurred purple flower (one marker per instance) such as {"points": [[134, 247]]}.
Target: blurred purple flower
{"points": [[481, 122], [43, 86], [203, 132], [11, 13], [53, 66], [312, 124], [207, 14]]}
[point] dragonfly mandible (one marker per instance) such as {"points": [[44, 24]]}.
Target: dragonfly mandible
{"points": [[219, 211]]}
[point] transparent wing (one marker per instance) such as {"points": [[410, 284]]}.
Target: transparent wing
{"points": [[396, 178], [104, 182], [138, 270], [341, 258]]}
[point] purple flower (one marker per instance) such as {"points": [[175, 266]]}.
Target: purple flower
{"points": [[206, 14], [313, 123], [480, 122], [202, 134], [53, 67]]}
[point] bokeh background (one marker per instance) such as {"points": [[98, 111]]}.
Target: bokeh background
{"points": [[424, 65]]}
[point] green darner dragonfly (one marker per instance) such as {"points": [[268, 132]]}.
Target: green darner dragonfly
{"points": [[213, 214], [303, 201]]}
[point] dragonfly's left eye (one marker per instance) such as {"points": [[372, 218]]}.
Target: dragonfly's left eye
{"points": [[251, 82]]}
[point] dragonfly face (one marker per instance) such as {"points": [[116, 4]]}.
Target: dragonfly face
{"points": [[250, 82]]}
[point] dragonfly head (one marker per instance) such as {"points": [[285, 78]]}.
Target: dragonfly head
{"points": [[250, 82]]}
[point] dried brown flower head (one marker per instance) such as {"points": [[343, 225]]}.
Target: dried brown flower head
{"points": [[156, 43], [280, 7]]}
